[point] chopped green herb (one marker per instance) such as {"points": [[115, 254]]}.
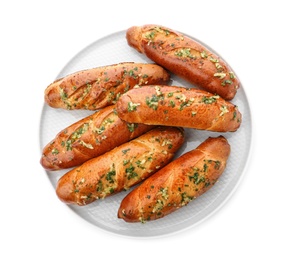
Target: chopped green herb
{"points": [[185, 104], [132, 106], [153, 102], [55, 151], [130, 172], [204, 55], [210, 100], [132, 74], [158, 206], [217, 165], [99, 130], [110, 174], [185, 53], [125, 151], [196, 178], [220, 75], [218, 66], [214, 60], [164, 193], [69, 145], [125, 162], [227, 81], [150, 35], [172, 103], [205, 167], [131, 127], [185, 198], [234, 115], [79, 132], [223, 110], [99, 186], [63, 94], [231, 75]]}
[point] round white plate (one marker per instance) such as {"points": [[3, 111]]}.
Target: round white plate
{"points": [[103, 213]]}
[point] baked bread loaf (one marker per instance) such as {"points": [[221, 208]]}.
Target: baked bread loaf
{"points": [[178, 183], [96, 88], [178, 106], [184, 57], [120, 168], [88, 138]]}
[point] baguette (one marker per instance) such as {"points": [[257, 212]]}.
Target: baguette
{"points": [[184, 57], [88, 138], [178, 106], [120, 168], [96, 88], [178, 183]]}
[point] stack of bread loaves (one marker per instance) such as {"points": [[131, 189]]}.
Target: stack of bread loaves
{"points": [[138, 126]]}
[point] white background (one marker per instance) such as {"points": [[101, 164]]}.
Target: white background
{"points": [[38, 38]]}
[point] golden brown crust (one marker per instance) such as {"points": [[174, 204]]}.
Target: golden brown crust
{"points": [[178, 183], [88, 138], [99, 87], [178, 106], [120, 168], [185, 57]]}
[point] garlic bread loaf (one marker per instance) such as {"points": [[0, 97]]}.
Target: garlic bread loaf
{"points": [[184, 57], [96, 88], [88, 138], [178, 183], [178, 106], [120, 168]]}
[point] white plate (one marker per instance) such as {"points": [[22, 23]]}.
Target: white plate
{"points": [[103, 214]]}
